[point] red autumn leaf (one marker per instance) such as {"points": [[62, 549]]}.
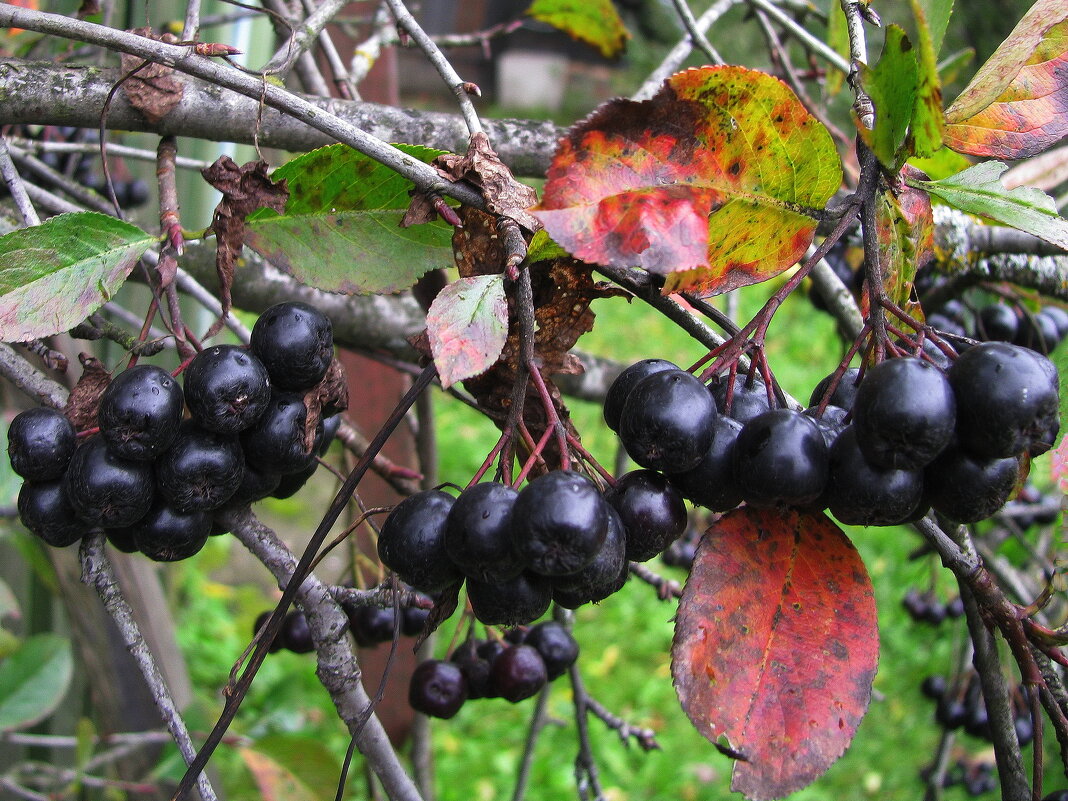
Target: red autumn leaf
{"points": [[1016, 105], [712, 182], [776, 645]]}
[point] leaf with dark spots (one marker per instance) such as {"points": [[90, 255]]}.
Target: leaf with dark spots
{"points": [[776, 646], [340, 230], [905, 231], [468, 326], [152, 89], [1016, 104], [244, 188], [84, 399], [712, 183]]}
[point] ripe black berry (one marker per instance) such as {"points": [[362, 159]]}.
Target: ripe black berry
{"points": [[604, 576], [625, 382], [168, 535], [106, 490], [295, 342], [295, 633], [276, 442], [861, 495], [780, 457], [370, 625], [557, 647], [711, 482], [518, 673], [559, 522], [966, 489], [997, 323], [44, 510], [262, 618], [475, 665], [412, 542], [478, 535], [903, 413], [437, 688], [667, 421], [844, 392], [140, 411], [226, 388], [1007, 400], [652, 510], [201, 471], [516, 602], [747, 399], [40, 442]]}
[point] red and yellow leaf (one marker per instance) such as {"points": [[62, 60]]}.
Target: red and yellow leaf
{"points": [[1017, 104], [776, 646], [712, 182]]}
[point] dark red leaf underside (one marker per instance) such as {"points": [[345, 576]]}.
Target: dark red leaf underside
{"points": [[776, 645]]}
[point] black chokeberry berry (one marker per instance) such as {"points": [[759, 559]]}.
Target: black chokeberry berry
{"points": [[295, 342], [625, 382], [667, 421], [412, 542], [517, 673], [106, 490], [859, 494], [168, 535], [295, 633], [278, 442], [226, 388], [40, 442], [780, 457], [262, 618], [478, 534], [559, 522], [966, 489], [140, 411], [747, 398], [518, 601], [201, 471], [558, 648], [437, 688], [44, 510], [652, 511], [711, 482], [604, 576]]}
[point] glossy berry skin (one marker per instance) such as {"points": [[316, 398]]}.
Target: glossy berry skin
{"points": [[275, 442], [780, 457], [861, 495], [167, 535], [201, 471], [518, 673], [904, 413], [667, 421], [412, 542], [1059, 317], [625, 382], [604, 576], [474, 660], [291, 483], [44, 510], [262, 618], [437, 688], [105, 490], [516, 602], [140, 411], [998, 323], [710, 483], [1038, 332], [844, 392], [966, 489], [478, 534], [559, 522], [747, 400], [226, 388], [40, 442], [1007, 400], [255, 485], [652, 511], [557, 647], [370, 625], [295, 633], [295, 342]]}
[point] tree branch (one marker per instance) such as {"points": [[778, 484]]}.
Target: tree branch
{"points": [[53, 94]]}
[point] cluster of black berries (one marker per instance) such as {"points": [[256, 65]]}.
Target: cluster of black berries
{"points": [[370, 626], [907, 438], [514, 670], [925, 607], [963, 708], [1039, 331], [152, 478], [558, 539], [976, 776]]}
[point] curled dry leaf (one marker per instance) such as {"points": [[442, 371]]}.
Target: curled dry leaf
{"points": [[245, 188], [153, 89], [84, 399]]}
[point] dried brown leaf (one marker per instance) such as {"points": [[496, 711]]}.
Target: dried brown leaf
{"points": [[84, 399], [153, 89], [482, 167]]}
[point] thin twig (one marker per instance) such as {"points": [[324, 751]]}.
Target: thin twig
{"points": [[16, 186], [26, 145], [680, 52], [682, 8]]}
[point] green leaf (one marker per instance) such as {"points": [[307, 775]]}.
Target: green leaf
{"points": [[927, 121], [55, 274], [288, 767], [543, 247], [838, 39], [34, 680], [978, 190], [468, 326], [595, 22], [892, 85], [341, 228], [937, 14]]}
